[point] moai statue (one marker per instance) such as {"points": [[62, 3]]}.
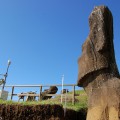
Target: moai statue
{"points": [[51, 90], [98, 72]]}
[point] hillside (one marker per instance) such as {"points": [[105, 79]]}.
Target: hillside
{"points": [[51, 109], [80, 101]]}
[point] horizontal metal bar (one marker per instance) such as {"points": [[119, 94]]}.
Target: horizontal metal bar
{"points": [[37, 95], [52, 95], [59, 85], [40, 85], [58, 95], [23, 85], [44, 95]]}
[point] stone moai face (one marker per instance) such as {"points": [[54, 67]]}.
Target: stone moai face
{"points": [[98, 50]]}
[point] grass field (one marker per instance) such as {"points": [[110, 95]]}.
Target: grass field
{"points": [[80, 101]]}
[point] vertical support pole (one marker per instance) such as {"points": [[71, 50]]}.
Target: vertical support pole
{"points": [[40, 93], [62, 89], [73, 99], [12, 92]]}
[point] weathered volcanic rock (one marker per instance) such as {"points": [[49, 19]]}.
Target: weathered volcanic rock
{"points": [[98, 51], [51, 90], [98, 72]]}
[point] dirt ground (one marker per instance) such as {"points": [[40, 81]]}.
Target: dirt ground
{"points": [[39, 112]]}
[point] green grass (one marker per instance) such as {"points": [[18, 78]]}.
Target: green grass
{"points": [[81, 101], [80, 92], [80, 104], [8, 102]]}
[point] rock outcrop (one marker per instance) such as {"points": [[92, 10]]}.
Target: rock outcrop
{"points": [[98, 72]]}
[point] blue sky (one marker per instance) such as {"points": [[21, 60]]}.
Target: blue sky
{"points": [[43, 38]]}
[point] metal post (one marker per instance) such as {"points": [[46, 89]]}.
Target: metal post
{"points": [[62, 88], [73, 99], [12, 92], [40, 93], [6, 74]]}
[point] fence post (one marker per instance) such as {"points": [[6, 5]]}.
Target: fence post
{"points": [[73, 99], [40, 93], [12, 92]]}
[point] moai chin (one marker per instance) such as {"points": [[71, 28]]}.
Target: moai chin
{"points": [[98, 72]]}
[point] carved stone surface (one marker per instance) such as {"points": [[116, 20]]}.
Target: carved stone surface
{"points": [[98, 51], [98, 72], [51, 90]]}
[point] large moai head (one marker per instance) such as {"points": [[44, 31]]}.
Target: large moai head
{"points": [[98, 49]]}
